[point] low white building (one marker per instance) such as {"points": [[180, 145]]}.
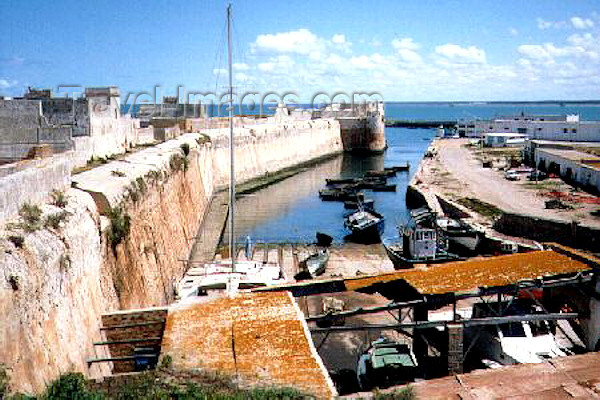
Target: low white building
{"points": [[503, 139], [572, 165], [545, 127]]}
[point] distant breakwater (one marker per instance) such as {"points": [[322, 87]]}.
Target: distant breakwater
{"points": [[392, 123]]}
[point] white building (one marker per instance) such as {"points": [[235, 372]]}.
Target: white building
{"points": [[545, 127]]}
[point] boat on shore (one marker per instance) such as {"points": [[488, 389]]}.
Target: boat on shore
{"points": [[395, 249], [420, 241], [314, 265], [220, 276], [398, 168], [460, 233], [386, 363], [365, 226]]}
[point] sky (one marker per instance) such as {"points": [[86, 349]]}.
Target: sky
{"points": [[424, 50]]}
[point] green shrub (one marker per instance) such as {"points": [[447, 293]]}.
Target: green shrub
{"points": [[17, 240], [405, 393], [4, 380], [119, 226], [185, 147], [14, 281], [69, 386], [178, 163], [53, 220], [59, 198], [31, 215]]}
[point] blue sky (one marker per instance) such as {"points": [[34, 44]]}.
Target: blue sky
{"points": [[406, 50]]}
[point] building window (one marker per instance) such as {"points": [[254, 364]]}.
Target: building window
{"points": [[565, 130], [574, 130], [522, 130], [539, 129]]}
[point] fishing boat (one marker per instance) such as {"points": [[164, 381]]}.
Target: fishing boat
{"points": [[386, 363], [398, 168], [340, 195], [460, 233], [383, 188], [365, 226], [418, 242], [367, 204], [383, 173], [339, 181], [314, 265]]}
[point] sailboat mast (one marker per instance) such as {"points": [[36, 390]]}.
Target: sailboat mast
{"points": [[231, 147]]}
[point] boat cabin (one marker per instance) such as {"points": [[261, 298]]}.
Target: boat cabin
{"points": [[420, 242]]}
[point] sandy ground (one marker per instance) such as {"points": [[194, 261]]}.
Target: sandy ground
{"points": [[456, 172]]}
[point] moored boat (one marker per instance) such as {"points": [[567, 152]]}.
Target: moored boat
{"points": [[460, 233], [365, 226], [367, 204]]}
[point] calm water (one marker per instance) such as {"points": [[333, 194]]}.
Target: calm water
{"points": [[291, 211]]}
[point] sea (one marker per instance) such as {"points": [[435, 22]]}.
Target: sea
{"points": [[290, 211]]}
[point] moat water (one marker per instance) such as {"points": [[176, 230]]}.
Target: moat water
{"points": [[291, 211]]}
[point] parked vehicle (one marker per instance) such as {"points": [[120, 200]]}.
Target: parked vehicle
{"points": [[537, 176], [512, 175]]}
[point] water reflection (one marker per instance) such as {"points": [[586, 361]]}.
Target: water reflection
{"points": [[291, 211]]}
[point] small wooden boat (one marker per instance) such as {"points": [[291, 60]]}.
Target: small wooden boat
{"points": [[386, 363], [339, 195], [460, 233], [313, 266], [339, 181], [383, 188], [398, 168], [367, 204], [383, 173], [365, 226], [323, 239]]}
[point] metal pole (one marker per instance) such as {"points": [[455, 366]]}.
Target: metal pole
{"points": [[231, 148]]}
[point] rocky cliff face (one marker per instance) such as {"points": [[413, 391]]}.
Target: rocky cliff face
{"points": [[56, 284]]}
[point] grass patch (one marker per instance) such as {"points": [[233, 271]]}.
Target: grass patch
{"points": [[119, 226], [17, 240], [480, 207], [32, 217], [54, 220], [543, 185], [4, 379], [154, 385], [178, 162], [58, 198], [405, 393]]}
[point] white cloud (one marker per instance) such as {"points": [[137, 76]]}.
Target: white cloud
{"points": [[339, 39], [405, 44], [582, 23], [406, 49], [461, 55], [513, 31], [241, 67], [543, 24], [7, 83], [301, 41]]}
